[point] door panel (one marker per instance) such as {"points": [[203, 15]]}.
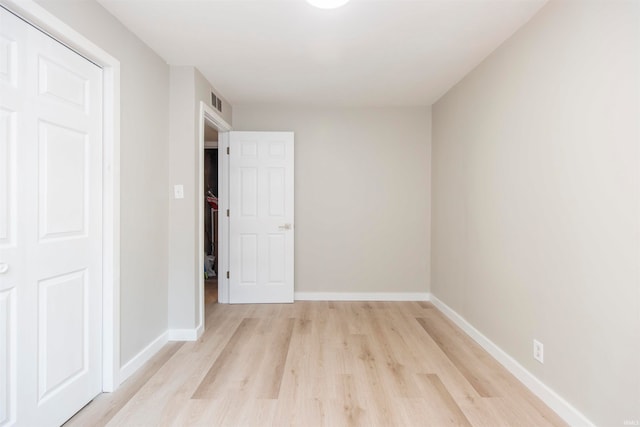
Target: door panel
{"points": [[62, 84], [248, 258], [51, 229], [62, 187], [249, 192], [276, 192], [277, 256], [7, 179], [261, 217], [7, 357], [8, 61], [62, 314]]}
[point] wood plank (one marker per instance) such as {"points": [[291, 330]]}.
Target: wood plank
{"points": [[105, 406], [231, 351], [458, 357], [274, 362], [456, 416]]}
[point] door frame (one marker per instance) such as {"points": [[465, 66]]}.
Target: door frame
{"points": [[210, 116], [40, 18]]}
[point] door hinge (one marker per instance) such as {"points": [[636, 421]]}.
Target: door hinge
{"points": [[227, 150], [227, 212], [227, 274]]}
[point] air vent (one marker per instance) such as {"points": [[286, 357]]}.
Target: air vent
{"points": [[216, 102]]}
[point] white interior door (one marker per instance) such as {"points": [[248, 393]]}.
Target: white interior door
{"points": [[260, 217], [50, 227]]}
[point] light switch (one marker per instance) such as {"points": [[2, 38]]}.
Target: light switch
{"points": [[178, 191]]}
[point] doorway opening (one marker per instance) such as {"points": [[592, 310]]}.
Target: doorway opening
{"points": [[211, 215], [213, 123]]}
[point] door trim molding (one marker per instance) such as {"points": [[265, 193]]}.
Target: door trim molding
{"points": [[37, 16], [210, 116]]}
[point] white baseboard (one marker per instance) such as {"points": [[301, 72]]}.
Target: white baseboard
{"points": [[185, 334], [564, 409], [143, 357], [149, 351], [361, 296]]}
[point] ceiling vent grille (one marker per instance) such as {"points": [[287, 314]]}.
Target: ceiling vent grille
{"points": [[216, 102]]}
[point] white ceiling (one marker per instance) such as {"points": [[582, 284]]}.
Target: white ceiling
{"points": [[367, 53]]}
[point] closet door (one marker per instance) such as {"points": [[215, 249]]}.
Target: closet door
{"points": [[50, 227]]}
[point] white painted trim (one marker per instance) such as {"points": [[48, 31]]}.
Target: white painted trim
{"points": [[200, 228], [111, 232], [199, 330], [223, 220], [143, 357], [33, 13], [563, 408], [361, 296], [210, 116], [185, 334]]}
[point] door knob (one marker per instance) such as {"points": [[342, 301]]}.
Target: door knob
{"points": [[285, 227], [3, 267]]}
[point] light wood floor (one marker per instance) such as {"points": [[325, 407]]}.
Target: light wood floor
{"points": [[211, 291], [322, 363]]}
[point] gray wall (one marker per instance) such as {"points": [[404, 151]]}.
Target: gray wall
{"points": [[188, 88], [144, 166], [182, 226], [362, 200], [536, 202], [203, 89]]}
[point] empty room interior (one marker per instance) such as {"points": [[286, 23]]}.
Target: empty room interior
{"points": [[277, 212]]}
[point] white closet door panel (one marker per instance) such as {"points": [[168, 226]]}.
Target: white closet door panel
{"points": [[50, 227], [8, 198], [62, 313], [63, 182], [62, 84], [8, 60], [11, 102]]}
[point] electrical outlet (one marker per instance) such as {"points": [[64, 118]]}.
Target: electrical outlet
{"points": [[538, 351]]}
